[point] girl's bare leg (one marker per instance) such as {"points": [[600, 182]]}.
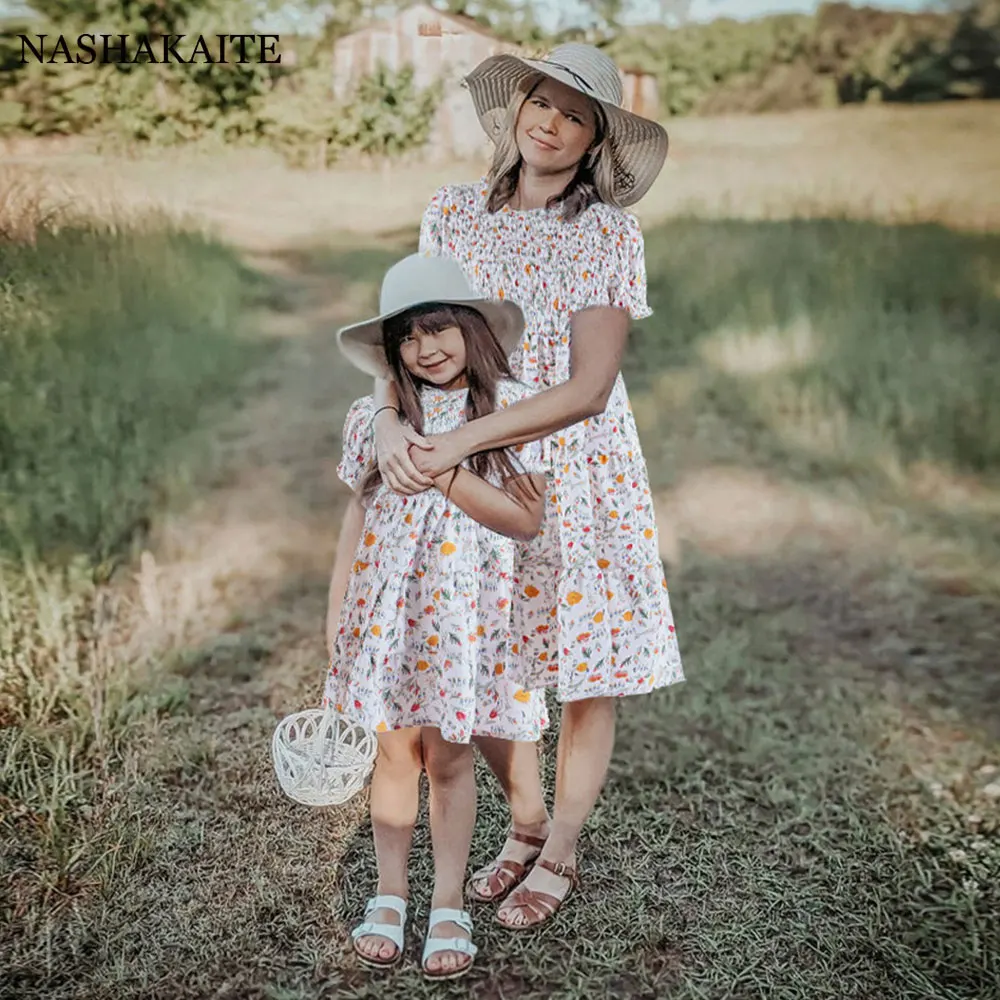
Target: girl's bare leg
{"points": [[452, 785], [395, 799]]}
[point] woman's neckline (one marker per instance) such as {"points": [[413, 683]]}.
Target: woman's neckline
{"points": [[527, 211]]}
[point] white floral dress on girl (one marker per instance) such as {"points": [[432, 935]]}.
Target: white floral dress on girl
{"points": [[424, 635], [592, 615]]}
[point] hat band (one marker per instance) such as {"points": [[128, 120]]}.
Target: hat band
{"points": [[572, 72]]}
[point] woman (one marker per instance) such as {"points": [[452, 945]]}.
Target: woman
{"points": [[546, 228]]}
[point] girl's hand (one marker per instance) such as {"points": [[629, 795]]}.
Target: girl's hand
{"points": [[441, 453], [393, 441]]}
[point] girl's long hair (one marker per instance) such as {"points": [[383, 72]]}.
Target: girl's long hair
{"points": [[593, 182], [485, 366]]}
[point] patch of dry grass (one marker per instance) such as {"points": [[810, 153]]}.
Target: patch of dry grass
{"points": [[933, 163]]}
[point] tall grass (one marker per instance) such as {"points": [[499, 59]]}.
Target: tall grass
{"points": [[116, 329], [115, 332]]}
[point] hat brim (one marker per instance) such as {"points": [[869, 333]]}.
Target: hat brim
{"points": [[638, 146], [361, 343]]}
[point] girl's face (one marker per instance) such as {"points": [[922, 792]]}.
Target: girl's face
{"points": [[555, 127], [438, 358]]}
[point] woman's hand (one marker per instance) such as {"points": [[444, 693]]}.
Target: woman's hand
{"points": [[393, 441], [440, 454]]}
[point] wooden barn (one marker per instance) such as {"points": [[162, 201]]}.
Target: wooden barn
{"points": [[642, 92], [437, 44]]}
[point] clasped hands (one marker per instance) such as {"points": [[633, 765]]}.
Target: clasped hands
{"points": [[410, 462]]}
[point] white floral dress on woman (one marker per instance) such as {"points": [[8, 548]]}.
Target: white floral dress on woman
{"points": [[424, 635], [592, 614]]}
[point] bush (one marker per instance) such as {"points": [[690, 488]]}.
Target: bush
{"points": [[386, 116], [848, 53]]}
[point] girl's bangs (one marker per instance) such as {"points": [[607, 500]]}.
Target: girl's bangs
{"points": [[436, 318], [431, 318]]}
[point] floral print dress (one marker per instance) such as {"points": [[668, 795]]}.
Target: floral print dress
{"points": [[425, 626], [592, 614]]}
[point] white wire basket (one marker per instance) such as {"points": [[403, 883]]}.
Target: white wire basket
{"points": [[321, 758]]}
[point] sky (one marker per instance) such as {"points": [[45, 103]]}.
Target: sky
{"points": [[554, 12], [644, 11]]}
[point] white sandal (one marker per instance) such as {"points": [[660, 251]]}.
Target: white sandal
{"points": [[392, 932], [463, 945]]}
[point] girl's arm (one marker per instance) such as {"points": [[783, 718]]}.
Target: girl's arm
{"points": [[495, 508], [347, 545], [599, 335], [392, 443]]}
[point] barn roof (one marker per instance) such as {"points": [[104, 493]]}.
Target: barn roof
{"points": [[461, 20]]}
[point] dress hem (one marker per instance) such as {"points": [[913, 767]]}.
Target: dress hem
{"points": [[449, 736], [627, 692]]}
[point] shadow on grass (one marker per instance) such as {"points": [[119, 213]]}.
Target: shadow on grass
{"points": [[832, 334], [742, 846]]}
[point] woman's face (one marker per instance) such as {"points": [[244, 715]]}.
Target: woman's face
{"points": [[555, 127], [438, 358]]}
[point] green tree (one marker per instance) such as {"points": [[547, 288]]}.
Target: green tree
{"points": [[607, 15]]}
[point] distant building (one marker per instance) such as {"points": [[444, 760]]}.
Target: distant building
{"points": [[642, 92], [438, 44]]}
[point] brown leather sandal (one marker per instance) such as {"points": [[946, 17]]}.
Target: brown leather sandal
{"points": [[507, 873], [541, 906]]}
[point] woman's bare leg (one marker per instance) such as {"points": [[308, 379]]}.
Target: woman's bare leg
{"points": [[586, 741], [515, 765]]}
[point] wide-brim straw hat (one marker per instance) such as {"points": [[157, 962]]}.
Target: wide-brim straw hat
{"points": [[419, 280], [638, 146]]}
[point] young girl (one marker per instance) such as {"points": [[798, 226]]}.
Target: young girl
{"points": [[417, 629]]}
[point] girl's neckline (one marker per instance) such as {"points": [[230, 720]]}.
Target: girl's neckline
{"points": [[440, 391]]}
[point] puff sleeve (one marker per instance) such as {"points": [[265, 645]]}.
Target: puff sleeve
{"points": [[612, 270], [358, 453], [627, 284], [432, 234]]}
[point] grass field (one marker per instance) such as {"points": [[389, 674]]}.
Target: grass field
{"points": [[814, 814]]}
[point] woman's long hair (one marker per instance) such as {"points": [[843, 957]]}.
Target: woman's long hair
{"points": [[485, 366], [593, 182]]}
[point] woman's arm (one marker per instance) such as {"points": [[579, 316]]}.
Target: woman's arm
{"points": [[599, 336], [347, 545], [392, 443], [495, 508]]}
